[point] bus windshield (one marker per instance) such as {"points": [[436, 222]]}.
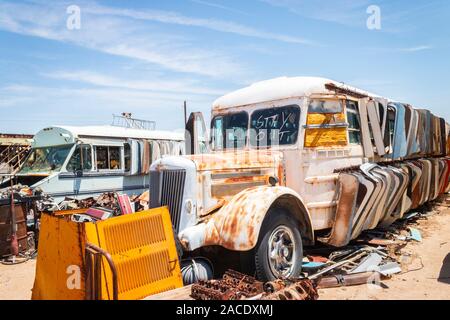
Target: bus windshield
{"points": [[229, 131], [47, 159]]}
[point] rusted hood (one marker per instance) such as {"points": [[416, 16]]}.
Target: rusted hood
{"points": [[236, 160]]}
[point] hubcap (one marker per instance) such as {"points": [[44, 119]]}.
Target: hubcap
{"points": [[281, 252]]}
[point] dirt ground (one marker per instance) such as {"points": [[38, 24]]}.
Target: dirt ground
{"points": [[426, 274], [16, 281]]}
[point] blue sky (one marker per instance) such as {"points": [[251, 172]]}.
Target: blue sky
{"points": [[147, 57]]}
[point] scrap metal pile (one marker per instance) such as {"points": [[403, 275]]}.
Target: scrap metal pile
{"points": [[377, 195], [103, 207], [375, 256], [17, 224], [19, 191], [237, 286]]}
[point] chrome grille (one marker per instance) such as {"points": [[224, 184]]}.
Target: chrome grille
{"points": [[167, 189]]}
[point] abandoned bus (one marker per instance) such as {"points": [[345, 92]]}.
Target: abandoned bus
{"points": [[80, 162], [293, 161]]}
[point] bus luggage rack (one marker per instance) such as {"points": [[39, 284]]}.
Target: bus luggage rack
{"points": [[125, 120]]}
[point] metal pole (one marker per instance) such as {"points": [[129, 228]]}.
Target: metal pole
{"points": [[185, 113], [14, 243]]}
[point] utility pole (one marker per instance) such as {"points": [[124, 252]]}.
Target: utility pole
{"points": [[185, 113]]}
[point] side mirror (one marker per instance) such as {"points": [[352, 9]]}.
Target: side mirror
{"points": [[196, 136], [79, 173]]}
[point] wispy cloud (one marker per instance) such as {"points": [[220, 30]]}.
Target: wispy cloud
{"points": [[117, 35], [397, 17], [212, 24], [412, 49], [345, 12], [82, 106], [113, 96], [155, 85], [416, 49], [219, 6]]}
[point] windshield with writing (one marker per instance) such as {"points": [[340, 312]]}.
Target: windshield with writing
{"points": [[45, 160], [275, 126]]}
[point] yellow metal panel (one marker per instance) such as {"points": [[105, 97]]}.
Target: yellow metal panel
{"points": [[325, 118], [325, 137], [143, 249], [60, 258]]}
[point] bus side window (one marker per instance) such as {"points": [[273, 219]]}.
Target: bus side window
{"points": [[114, 158], [101, 157], [354, 127], [108, 158], [81, 159], [390, 127], [127, 156]]}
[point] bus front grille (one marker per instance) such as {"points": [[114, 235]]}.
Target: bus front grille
{"points": [[167, 189]]}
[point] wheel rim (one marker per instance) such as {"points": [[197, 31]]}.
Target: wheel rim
{"points": [[281, 253]]}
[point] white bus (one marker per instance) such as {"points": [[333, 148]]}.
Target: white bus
{"points": [[297, 160], [81, 162]]}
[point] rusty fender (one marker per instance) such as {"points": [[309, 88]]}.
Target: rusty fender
{"points": [[237, 224]]}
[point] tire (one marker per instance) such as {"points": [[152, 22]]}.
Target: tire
{"points": [[278, 231]]}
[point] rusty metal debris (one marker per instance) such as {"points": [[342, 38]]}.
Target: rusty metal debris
{"points": [[237, 286], [16, 241], [303, 289], [348, 280], [19, 191], [105, 200], [111, 202], [232, 286]]}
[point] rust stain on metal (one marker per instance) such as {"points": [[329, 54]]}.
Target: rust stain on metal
{"points": [[236, 225], [303, 289], [232, 286]]}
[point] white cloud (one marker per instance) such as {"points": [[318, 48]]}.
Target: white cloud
{"points": [[155, 85], [345, 12], [65, 105], [212, 24], [415, 49], [218, 6], [111, 96], [117, 35], [401, 50]]}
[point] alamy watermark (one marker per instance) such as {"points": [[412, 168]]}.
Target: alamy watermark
{"points": [[73, 21], [73, 281], [374, 19]]}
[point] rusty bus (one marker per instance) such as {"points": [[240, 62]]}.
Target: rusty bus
{"points": [[293, 161]]}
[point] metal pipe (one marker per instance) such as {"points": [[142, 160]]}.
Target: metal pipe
{"points": [[111, 264], [346, 280]]}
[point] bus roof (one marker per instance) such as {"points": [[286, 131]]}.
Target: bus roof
{"points": [[122, 132], [281, 88], [55, 135]]}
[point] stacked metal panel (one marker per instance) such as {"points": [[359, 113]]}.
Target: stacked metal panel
{"points": [[378, 195], [396, 131], [407, 149]]}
